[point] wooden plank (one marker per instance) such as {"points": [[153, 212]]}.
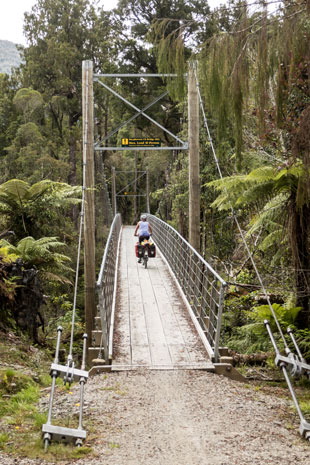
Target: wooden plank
{"points": [[153, 327], [158, 345], [141, 354]]}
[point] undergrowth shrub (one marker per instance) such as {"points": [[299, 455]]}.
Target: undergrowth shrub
{"points": [[245, 331]]}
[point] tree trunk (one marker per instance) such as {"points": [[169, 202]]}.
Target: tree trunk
{"points": [[300, 235]]}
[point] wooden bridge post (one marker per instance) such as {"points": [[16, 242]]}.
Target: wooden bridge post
{"points": [[89, 219], [193, 139]]}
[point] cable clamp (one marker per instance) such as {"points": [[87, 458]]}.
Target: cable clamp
{"points": [[304, 429], [296, 367]]}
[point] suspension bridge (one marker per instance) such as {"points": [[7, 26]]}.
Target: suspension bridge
{"points": [[166, 317], [156, 327]]}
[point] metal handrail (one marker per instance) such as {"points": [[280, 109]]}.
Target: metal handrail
{"points": [[201, 285], [106, 287]]}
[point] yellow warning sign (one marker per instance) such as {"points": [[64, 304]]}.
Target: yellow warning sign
{"points": [[147, 142]]}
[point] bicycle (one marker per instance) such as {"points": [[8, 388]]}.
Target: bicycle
{"points": [[145, 247], [145, 250]]}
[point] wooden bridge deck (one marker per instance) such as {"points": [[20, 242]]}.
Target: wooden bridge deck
{"points": [[152, 327]]}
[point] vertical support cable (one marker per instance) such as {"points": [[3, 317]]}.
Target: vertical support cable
{"points": [[80, 241], [114, 204], [147, 191]]}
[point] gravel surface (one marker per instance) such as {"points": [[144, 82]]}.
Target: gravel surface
{"points": [[182, 418]]}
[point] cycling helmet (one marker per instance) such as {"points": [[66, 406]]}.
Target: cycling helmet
{"points": [[143, 217]]}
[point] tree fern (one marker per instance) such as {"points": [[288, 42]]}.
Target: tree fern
{"points": [[25, 206], [41, 253]]}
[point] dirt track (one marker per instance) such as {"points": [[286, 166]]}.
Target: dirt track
{"points": [[184, 418]]}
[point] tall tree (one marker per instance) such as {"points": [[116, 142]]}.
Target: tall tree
{"points": [[9, 120], [61, 34]]}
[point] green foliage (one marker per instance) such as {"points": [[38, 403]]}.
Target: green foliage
{"points": [[302, 337], [256, 188], [8, 283], [250, 338], [170, 56], [29, 102], [65, 321], [41, 253], [4, 437], [39, 419], [225, 74], [23, 395], [246, 332], [28, 209], [285, 315]]}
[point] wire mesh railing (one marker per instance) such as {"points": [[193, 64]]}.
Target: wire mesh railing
{"points": [[203, 288], [106, 287]]}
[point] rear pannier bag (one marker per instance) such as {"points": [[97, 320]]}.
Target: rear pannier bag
{"points": [[139, 250], [152, 251]]}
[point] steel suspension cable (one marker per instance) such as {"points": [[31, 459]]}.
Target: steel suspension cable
{"points": [[287, 350], [81, 225]]}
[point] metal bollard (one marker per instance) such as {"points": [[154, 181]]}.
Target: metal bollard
{"points": [[69, 373], [82, 384], [54, 374]]}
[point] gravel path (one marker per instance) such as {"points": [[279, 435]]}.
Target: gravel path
{"points": [[183, 418]]}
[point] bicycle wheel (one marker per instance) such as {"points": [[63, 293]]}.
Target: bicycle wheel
{"points": [[145, 259]]}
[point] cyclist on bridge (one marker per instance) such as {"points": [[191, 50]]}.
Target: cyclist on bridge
{"points": [[145, 230]]}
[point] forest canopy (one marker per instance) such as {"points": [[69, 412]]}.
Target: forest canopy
{"points": [[252, 63]]}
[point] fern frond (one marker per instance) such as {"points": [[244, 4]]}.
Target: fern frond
{"points": [[273, 239], [54, 277], [270, 216], [38, 189], [262, 174], [255, 194], [15, 188]]}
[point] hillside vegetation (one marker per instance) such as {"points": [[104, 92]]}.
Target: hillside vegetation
{"points": [[9, 56], [253, 68]]}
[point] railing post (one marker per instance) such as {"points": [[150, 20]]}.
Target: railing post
{"points": [[219, 324]]}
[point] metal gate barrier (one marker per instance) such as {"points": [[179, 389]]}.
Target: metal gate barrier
{"points": [[106, 288], [202, 287]]}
